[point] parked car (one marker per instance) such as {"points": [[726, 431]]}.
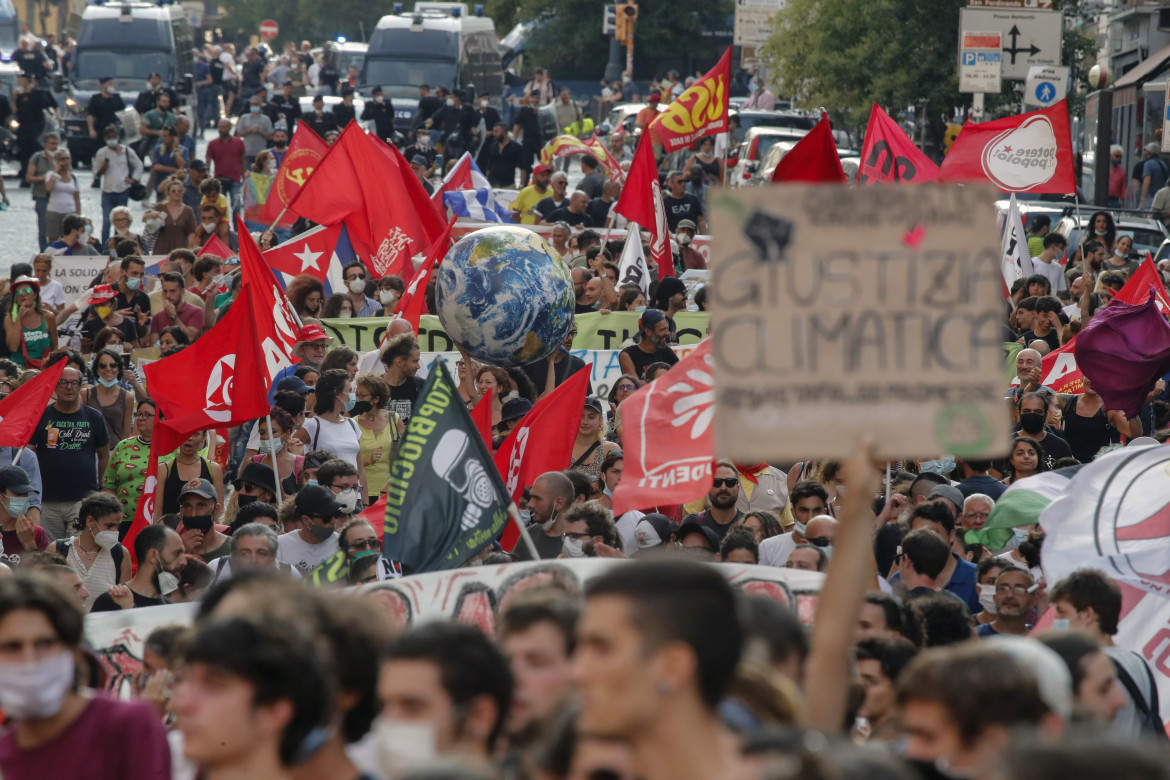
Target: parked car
{"points": [[624, 116], [850, 162], [1148, 234], [756, 118], [745, 160]]}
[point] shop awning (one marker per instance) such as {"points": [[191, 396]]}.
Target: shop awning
{"points": [[1146, 69]]}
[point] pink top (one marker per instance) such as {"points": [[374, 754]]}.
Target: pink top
{"points": [[227, 156], [189, 314]]}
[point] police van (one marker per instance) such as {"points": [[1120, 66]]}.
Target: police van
{"points": [[127, 42], [435, 44], [9, 29]]}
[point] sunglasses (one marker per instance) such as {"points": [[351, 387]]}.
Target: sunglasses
{"points": [[364, 544], [728, 482]]}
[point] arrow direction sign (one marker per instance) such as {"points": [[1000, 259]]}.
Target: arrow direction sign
{"points": [[1030, 37]]}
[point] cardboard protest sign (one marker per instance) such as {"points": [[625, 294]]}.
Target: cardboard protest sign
{"points": [[838, 314]]}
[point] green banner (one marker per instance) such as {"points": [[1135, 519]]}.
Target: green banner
{"points": [[594, 331]]}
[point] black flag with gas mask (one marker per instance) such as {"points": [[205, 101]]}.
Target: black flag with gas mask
{"points": [[445, 501]]}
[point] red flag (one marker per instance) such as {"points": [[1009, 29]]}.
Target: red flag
{"points": [[814, 158], [641, 202], [305, 151], [700, 110], [310, 252], [214, 246], [1059, 370], [1025, 153], [458, 179], [164, 441], [888, 156], [543, 441], [481, 415], [668, 453], [376, 515], [410, 308], [22, 409], [1137, 287]]}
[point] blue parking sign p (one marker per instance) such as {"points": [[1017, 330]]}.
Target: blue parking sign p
{"points": [[968, 58]]}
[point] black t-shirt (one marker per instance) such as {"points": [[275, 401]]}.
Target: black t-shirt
{"points": [[592, 184], [31, 62], [403, 396], [426, 151], [252, 71], [1052, 339], [320, 124], [538, 371], [529, 122], [104, 110], [216, 71], [67, 446], [546, 206], [426, 108], [344, 114], [383, 116], [137, 301], [546, 546], [104, 603], [642, 359], [677, 209], [598, 211], [574, 220], [291, 110], [94, 325], [1054, 446], [704, 519], [31, 106]]}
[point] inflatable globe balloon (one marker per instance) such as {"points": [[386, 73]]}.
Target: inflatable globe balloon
{"points": [[505, 296]]}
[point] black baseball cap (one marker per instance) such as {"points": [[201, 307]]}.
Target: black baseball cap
{"points": [[16, 479], [294, 383], [317, 501], [197, 165], [692, 527]]}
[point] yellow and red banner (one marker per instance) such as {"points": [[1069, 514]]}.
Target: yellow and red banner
{"points": [[566, 145], [700, 111]]}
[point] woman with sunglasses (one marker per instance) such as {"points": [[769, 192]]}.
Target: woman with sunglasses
{"points": [[625, 386], [108, 396], [125, 474], [30, 331]]}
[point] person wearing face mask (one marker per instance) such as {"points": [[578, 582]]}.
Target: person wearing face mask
{"points": [[255, 129], [287, 107], [329, 428], [103, 313], [651, 348], [1015, 598], [39, 166], [95, 554], [1033, 414], [550, 496], [988, 571], [18, 533], [57, 728], [118, 166], [381, 110], [316, 540], [390, 290], [198, 507], [381, 432], [108, 397], [687, 257], [355, 276], [589, 532], [161, 557], [321, 121], [346, 483]]}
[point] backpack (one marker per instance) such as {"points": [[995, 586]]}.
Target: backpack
{"points": [[1151, 718], [117, 553]]}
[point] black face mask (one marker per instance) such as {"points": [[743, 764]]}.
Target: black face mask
{"points": [[361, 407], [198, 523], [1032, 422], [244, 500], [819, 541]]}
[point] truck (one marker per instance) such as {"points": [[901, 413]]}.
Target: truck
{"points": [[437, 43], [9, 29], [126, 41]]}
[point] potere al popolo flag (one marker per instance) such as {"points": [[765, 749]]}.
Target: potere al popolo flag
{"points": [[813, 159], [641, 202], [700, 110], [304, 154], [445, 501], [22, 409], [542, 441], [668, 436], [1025, 153], [888, 156]]}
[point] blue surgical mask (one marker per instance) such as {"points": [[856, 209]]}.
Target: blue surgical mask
{"points": [[1020, 532], [254, 109], [639, 308], [349, 403], [526, 517], [311, 482], [17, 505], [1060, 624], [112, 143], [133, 282], [596, 305], [107, 382], [944, 465], [607, 492]]}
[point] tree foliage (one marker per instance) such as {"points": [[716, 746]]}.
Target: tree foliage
{"points": [[313, 20]]}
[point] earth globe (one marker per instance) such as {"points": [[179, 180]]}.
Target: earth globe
{"points": [[505, 296]]}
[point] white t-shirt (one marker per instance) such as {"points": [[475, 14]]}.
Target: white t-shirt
{"points": [[53, 293], [1053, 272], [627, 526], [301, 555], [774, 551], [343, 438], [229, 64], [61, 198]]}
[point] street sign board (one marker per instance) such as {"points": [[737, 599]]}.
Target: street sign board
{"points": [[1166, 120], [753, 21], [1030, 37], [980, 59], [269, 29], [1045, 85], [1041, 4]]}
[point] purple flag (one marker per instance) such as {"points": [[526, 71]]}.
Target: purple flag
{"points": [[1123, 351]]}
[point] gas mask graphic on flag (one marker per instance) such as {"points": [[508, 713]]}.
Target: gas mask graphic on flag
{"points": [[476, 488]]}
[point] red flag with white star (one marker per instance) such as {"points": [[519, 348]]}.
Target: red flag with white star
{"points": [[310, 252]]}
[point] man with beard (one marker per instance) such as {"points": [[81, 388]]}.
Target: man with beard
{"points": [[550, 495], [721, 513], [652, 348], [1014, 599], [160, 555]]}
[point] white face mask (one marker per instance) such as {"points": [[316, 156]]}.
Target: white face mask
{"points": [[572, 547], [208, 227], [987, 598], [272, 445], [36, 689], [548, 524], [167, 583], [799, 527], [357, 285], [402, 745], [387, 297], [1061, 624], [115, 348], [378, 99], [423, 141], [683, 238], [348, 499], [107, 540], [450, 101]]}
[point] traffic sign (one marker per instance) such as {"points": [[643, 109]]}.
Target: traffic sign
{"points": [[1011, 3], [269, 29], [753, 21], [1045, 85], [1029, 37], [980, 59]]}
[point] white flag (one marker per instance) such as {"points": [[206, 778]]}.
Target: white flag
{"points": [[632, 267], [1016, 261]]}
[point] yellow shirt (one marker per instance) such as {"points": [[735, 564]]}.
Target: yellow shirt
{"points": [[220, 203], [526, 199]]}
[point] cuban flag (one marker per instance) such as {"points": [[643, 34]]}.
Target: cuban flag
{"points": [[467, 193]]}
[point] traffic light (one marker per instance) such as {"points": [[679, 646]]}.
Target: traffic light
{"points": [[627, 15], [609, 20]]}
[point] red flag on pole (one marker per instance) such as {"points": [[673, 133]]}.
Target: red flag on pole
{"points": [[641, 202], [668, 454], [814, 158], [888, 156], [543, 441], [164, 441], [22, 409], [310, 252], [481, 415], [410, 308], [1137, 287], [700, 110], [304, 154], [1025, 153], [214, 246]]}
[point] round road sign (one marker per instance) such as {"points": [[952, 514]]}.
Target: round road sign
{"points": [[269, 29]]}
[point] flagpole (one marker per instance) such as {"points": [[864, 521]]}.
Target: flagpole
{"points": [[514, 513], [272, 452], [279, 217]]}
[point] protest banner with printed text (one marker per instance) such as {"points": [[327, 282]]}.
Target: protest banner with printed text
{"points": [[838, 314], [75, 272]]}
